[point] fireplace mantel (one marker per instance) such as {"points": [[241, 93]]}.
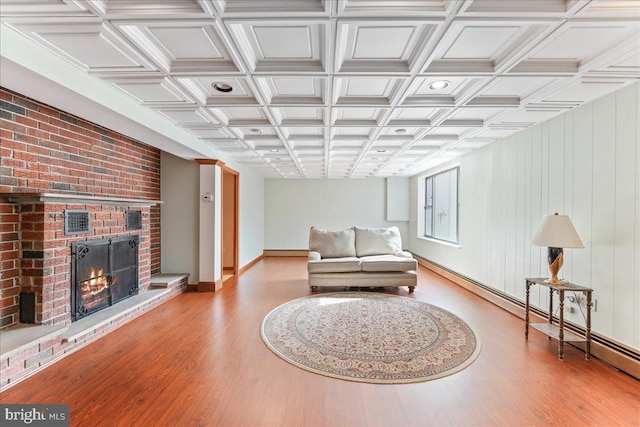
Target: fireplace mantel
{"points": [[77, 198]]}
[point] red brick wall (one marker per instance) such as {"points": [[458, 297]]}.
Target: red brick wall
{"points": [[43, 149], [155, 238], [9, 264]]}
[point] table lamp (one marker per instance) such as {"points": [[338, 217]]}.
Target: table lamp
{"points": [[556, 232]]}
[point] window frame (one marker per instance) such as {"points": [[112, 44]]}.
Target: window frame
{"points": [[426, 207]]}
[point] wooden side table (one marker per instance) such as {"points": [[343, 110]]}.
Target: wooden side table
{"points": [[557, 330]]}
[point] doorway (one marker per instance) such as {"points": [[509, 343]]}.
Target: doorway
{"points": [[230, 189]]}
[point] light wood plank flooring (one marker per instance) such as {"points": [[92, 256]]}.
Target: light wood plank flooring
{"points": [[198, 360]]}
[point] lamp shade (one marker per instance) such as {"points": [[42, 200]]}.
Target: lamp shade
{"points": [[556, 231]]}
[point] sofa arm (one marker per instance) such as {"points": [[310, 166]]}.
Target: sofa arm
{"points": [[314, 256], [403, 254]]}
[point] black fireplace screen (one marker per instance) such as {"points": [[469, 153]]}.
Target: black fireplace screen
{"points": [[103, 272]]}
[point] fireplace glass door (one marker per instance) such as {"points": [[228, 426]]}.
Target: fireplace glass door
{"points": [[104, 272]]}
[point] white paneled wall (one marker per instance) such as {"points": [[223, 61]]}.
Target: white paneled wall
{"points": [[584, 163]]}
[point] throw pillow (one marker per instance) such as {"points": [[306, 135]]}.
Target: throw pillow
{"points": [[377, 241], [333, 244]]}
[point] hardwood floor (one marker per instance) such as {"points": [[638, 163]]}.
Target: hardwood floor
{"points": [[198, 360]]}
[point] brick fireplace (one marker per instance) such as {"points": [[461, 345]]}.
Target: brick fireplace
{"points": [[46, 248], [52, 163]]}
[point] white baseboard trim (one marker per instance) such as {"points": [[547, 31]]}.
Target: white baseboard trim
{"points": [[609, 351]]}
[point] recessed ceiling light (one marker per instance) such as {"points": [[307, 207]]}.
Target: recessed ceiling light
{"points": [[222, 87], [440, 84], [381, 151], [274, 150], [400, 131], [255, 130]]}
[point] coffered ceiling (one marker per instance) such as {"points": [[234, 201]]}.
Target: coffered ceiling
{"points": [[344, 88]]}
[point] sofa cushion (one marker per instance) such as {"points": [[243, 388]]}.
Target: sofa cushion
{"points": [[332, 244], [377, 241], [388, 263], [335, 265]]}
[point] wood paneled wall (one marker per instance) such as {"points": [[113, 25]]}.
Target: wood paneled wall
{"points": [[584, 163]]}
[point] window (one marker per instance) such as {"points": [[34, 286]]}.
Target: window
{"points": [[441, 206]]}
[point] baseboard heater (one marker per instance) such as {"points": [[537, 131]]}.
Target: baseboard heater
{"points": [[595, 337]]}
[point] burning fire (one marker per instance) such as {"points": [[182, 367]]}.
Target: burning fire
{"points": [[96, 284]]}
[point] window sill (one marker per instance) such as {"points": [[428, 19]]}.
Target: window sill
{"points": [[441, 242]]}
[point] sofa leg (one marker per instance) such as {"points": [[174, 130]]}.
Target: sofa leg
{"points": [[411, 289], [314, 288]]}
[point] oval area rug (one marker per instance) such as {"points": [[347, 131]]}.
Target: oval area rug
{"points": [[370, 337]]}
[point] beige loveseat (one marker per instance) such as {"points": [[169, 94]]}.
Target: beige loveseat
{"points": [[359, 257]]}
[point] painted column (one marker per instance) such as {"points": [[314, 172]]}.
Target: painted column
{"points": [[210, 235]]}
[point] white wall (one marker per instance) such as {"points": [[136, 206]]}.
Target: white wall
{"points": [[585, 164], [252, 214], [180, 182], [179, 215], [293, 206]]}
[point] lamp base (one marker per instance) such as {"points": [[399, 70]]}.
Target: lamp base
{"points": [[555, 259]]}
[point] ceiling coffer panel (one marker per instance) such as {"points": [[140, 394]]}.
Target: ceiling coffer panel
{"points": [[303, 117], [358, 91], [273, 6], [382, 46], [282, 46], [292, 90], [95, 47], [152, 91], [144, 7], [189, 117], [580, 46], [181, 47], [431, 7], [483, 47], [20, 8]]}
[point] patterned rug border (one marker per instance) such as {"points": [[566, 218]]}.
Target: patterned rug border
{"points": [[443, 374]]}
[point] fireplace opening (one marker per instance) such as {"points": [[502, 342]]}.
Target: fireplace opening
{"points": [[103, 272]]}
